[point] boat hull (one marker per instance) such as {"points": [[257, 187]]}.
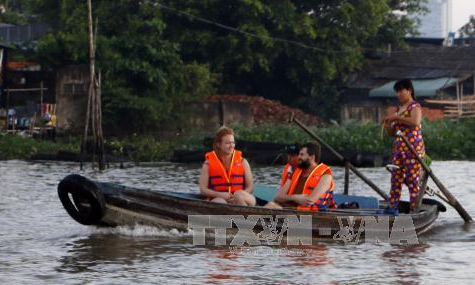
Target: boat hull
{"points": [[107, 204]]}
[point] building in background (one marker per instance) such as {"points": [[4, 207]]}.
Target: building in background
{"points": [[72, 85], [443, 77], [19, 34], [445, 17]]}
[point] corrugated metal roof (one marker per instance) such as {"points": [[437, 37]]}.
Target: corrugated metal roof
{"points": [[417, 63], [394, 72], [422, 88]]}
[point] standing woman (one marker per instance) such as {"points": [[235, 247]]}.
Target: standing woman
{"points": [[407, 119], [225, 176]]}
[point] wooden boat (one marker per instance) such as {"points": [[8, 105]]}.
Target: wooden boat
{"points": [[107, 204]]}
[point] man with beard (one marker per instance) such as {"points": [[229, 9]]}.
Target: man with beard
{"points": [[311, 186]]}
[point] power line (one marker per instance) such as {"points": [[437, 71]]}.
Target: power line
{"points": [[278, 39], [240, 31]]}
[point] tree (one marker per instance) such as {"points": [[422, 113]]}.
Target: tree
{"points": [[298, 52], [400, 20], [154, 55], [12, 12], [468, 30], [144, 78]]}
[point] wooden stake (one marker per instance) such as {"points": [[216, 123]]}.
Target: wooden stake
{"points": [[100, 137], [93, 112]]}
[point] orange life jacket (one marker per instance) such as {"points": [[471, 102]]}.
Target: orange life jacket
{"points": [[326, 200], [286, 174], [225, 181]]}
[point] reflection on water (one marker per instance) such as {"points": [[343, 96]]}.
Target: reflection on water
{"points": [[225, 262], [40, 243], [405, 260], [86, 253], [452, 230], [310, 255]]}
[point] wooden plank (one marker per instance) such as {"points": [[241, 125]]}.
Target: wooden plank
{"points": [[26, 89], [456, 116], [463, 110], [450, 107], [457, 111], [450, 102], [466, 106]]}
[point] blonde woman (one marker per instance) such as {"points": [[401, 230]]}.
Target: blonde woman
{"points": [[226, 176]]}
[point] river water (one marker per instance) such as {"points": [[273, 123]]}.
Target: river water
{"points": [[41, 244]]}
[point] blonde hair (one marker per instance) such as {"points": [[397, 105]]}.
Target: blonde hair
{"points": [[223, 131]]}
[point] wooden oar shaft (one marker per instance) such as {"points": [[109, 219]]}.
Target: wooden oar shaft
{"points": [[347, 179], [342, 158], [452, 200]]}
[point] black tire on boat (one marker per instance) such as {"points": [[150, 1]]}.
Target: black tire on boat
{"points": [[440, 207], [87, 205]]}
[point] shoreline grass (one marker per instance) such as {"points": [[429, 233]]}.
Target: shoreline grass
{"points": [[445, 140]]}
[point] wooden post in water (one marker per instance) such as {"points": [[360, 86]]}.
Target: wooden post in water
{"points": [[334, 152], [42, 126], [7, 106], [452, 200], [221, 113], [100, 138], [86, 127], [93, 112]]}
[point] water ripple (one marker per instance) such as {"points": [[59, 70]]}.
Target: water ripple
{"points": [[40, 243]]}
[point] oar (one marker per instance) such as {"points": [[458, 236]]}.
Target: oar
{"points": [[342, 158], [451, 199]]}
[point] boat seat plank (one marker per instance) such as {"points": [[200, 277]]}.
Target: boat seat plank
{"points": [[268, 193]]}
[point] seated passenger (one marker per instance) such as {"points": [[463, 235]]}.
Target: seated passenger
{"points": [[225, 176], [292, 163], [311, 185]]}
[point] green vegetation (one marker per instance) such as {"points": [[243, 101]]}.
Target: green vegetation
{"points": [[445, 140], [18, 147], [12, 12], [154, 56], [141, 148], [145, 80], [450, 139], [333, 37], [358, 137]]}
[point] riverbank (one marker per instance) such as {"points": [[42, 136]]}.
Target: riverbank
{"points": [[18, 146], [445, 140]]}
